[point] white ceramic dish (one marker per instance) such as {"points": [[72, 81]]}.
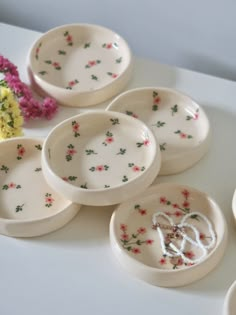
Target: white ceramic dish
{"points": [[80, 64], [230, 301], [28, 206], [234, 205], [100, 158], [180, 125], [136, 241]]}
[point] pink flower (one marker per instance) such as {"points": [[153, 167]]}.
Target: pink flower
{"points": [[71, 83], [178, 213], [176, 261], [65, 179], [186, 204], [142, 211], [149, 242], [135, 116], [146, 142], [12, 185], [162, 261], [69, 38], [123, 227], [92, 63], [175, 205], [49, 200], [136, 250], [21, 151], [56, 64], [185, 193], [189, 254], [183, 135], [75, 127], [114, 75], [202, 236], [71, 152], [124, 237], [163, 200], [196, 116], [157, 100], [109, 140], [109, 46], [99, 168], [136, 168], [141, 230]]}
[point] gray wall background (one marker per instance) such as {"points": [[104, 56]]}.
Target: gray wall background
{"points": [[198, 35]]}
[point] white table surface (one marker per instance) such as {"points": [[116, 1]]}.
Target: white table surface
{"points": [[73, 271]]}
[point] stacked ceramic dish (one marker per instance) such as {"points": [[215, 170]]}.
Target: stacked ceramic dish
{"points": [[167, 235]]}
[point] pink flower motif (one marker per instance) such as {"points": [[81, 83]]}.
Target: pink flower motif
{"points": [[183, 135], [75, 127], [99, 168], [109, 140], [146, 142], [178, 213], [175, 205], [202, 236], [149, 242], [71, 83], [134, 115], [124, 237], [162, 261], [196, 116], [186, 204], [141, 230], [123, 227], [136, 250], [157, 100], [21, 151], [12, 185], [109, 46], [49, 200], [92, 63], [56, 64], [163, 200], [142, 211], [69, 38], [185, 193], [176, 261], [65, 179], [71, 151], [114, 75], [136, 168], [189, 254]]}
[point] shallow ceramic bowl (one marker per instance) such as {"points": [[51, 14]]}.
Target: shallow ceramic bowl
{"points": [[100, 158], [180, 124], [230, 301], [234, 205], [80, 64], [137, 244], [28, 206]]}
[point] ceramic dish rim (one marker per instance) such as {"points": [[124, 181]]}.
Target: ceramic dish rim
{"points": [[228, 297]]}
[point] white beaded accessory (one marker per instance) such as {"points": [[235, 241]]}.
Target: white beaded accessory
{"points": [[179, 231]]}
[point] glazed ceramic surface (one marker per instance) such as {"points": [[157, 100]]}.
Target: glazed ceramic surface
{"points": [[100, 158], [28, 206], [230, 301], [179, 124], [80, 64], [159, 255]]}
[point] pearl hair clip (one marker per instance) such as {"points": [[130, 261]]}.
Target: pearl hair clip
{"points": [[179, 232]]}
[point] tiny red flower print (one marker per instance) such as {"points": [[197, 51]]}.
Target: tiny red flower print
{"points": [[109, 138], [123, 227], [70, 152], [149, 242], [99, 168], [92, 63], [189, 254], [71, 84], [183, 135], [54, 64], [20, 151], [112, 75], [163, 261], [186, 204], [163, 200], [48, 200], [145, 143], [75, 128], [141, 210], [194, 116], [185, 193], [130, 113], [155, 100], [175, 205], [136, 168], [107, 45], [202, 236], [124, 237], [37, 51], [68, 38], [178, 213], [176, 261], [136, 250], [141, 230], [69, 178], [11, 185]]}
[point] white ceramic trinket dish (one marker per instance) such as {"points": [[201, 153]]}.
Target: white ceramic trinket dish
{"points": [[100, 158], [169, 236], [28, 206], [230, 301], [80, 64], [179, 124]]}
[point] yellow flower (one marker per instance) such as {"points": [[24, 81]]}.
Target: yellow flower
{"points": [[11, 120]]}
